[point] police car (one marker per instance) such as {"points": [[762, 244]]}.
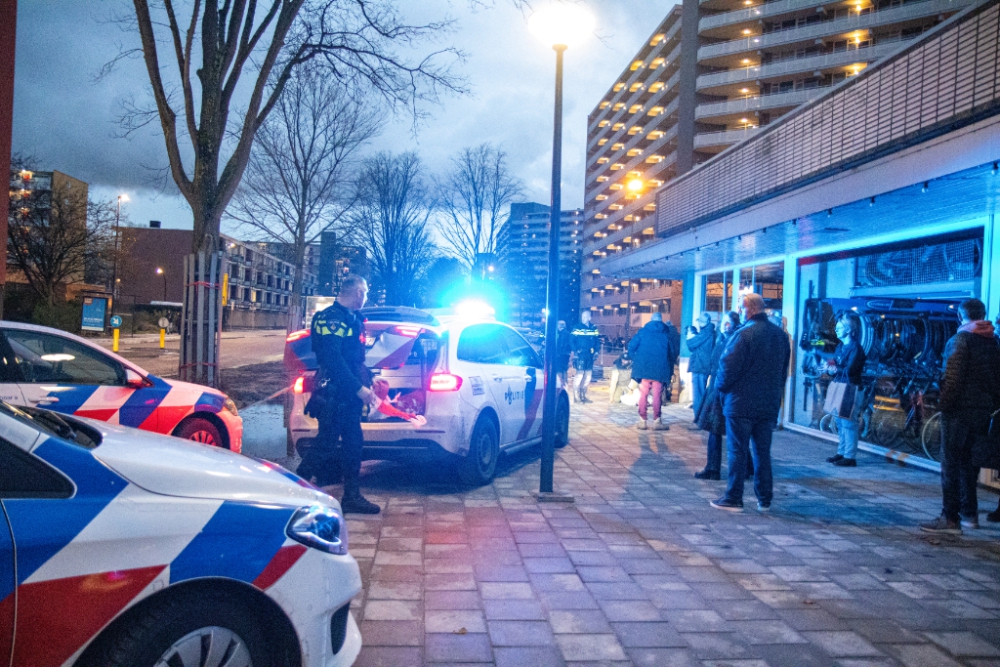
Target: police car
{"points": [[48, 368], [474, 385], [165, 554]]}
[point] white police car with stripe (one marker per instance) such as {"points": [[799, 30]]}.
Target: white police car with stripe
{"points": [[168, 553], [477, 383]]}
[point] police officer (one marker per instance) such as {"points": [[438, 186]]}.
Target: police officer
{"points": [[586, 343], [344, 389]]}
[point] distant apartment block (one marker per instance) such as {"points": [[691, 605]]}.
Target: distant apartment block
{"points": [[522, 253]]}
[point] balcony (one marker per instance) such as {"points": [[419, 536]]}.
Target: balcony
{"points": [[650, 171], [763, 11], [635, 142], [642, 73], [669, 90], [795, 65], [729, 137], [809, 33], [629, 99], [773, 101]]}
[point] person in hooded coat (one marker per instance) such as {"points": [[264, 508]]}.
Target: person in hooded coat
{"points": [[970, 393], [651, 361], [709, 417]]}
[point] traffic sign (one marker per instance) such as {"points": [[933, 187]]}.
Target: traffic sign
{"points": [[116, 321], [164, 323]]}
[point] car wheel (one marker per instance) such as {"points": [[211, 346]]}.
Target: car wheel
{"points": [[191, 632], [200, 430], [562, 423], [480, 465]]}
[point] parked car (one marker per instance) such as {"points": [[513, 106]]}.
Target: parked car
{"points": [[48, 368], [477, 382], [132, 549]]}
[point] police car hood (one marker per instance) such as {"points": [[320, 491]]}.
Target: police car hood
{"points": [[174, 467]]}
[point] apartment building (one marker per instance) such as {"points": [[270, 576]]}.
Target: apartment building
{"points": [[712, 74], [522, 253]]}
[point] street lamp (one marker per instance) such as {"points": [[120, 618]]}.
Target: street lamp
{"points": [[114, 270], [559, 26], [161, 272]]}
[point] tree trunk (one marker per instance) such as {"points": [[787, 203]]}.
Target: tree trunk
{"points": [[295, 301]]}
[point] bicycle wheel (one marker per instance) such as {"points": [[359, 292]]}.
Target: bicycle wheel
{"points": [[930, 437], [828, 424]]}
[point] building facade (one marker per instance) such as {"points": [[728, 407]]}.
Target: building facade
{"points": [[258, 284], [522, 255], [713, 73], [880, 197]]}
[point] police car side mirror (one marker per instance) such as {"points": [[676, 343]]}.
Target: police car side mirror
{"points": [[135, 381]]}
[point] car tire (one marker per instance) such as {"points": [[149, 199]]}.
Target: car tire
{"points": [[200, 430], [480, 465], [160, 634], [562, 423]]}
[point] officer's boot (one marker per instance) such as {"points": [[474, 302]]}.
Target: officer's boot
{"points": [[355, 503]]}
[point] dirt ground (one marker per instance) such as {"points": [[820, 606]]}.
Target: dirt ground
{"points": [[254, 383]]}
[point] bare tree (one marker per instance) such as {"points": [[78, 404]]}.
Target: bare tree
{"points": [[55, 234], [299, 181], [392, 219], [475, 201], [361, 42]]}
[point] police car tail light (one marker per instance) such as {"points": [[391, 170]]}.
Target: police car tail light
{"points": [[300, 385], [296, 335], [445, 382], [407, 331], [319, 527]]}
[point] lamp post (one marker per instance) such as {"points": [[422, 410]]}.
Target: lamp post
{"points": [[558, 26], [161, 272], [114, 261]]}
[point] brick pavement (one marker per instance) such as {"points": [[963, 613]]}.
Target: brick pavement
{"points": [[641, 571]]}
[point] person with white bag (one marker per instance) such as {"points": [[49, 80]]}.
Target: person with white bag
{"points": [[844, 393]]}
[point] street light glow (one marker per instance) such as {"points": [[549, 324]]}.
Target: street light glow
{"points": [[561, 25], [635, 185], [159, 271], [123, 197]]}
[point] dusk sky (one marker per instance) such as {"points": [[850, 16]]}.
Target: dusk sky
{"points": [[67, 119]]}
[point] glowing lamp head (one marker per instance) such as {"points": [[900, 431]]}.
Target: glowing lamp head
{"points": [[159, 271], [561, 25], [635, 185]]}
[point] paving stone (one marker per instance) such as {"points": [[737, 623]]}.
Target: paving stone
{"points": [[590, 647], [385, 656], [455, 621], [548, 656], [965, 644], [768, 632], [921, 655], [513, 610], [392, 633], [842, 644], [579, 621], [458, 648], [520, 633], [648, 635]]}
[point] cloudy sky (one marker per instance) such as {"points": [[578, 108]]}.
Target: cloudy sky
{"points": [[66, 118]]}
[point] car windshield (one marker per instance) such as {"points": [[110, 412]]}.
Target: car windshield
{"points": [[55, 424]]}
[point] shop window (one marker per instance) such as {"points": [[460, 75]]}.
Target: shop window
{"points": [[718, 294], [905, 297]]}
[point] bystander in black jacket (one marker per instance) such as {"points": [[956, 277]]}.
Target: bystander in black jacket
{"points": [[710, 417], [971, 383], [702, 346], [586, 343], [753, 370], [564, 349], [650, 350], [850, 359]]}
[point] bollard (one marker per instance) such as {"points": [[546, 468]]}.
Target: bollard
{"points": [[114, 340], [163, 338]]}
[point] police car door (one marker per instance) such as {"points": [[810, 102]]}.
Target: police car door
{"points": [[487, 345], [524, 361]]}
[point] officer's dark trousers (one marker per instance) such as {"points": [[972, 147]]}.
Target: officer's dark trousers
{"points": [[337, 447]]}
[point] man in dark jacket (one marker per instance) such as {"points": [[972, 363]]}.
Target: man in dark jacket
{"points": [[651, 355], [970, 392], [564, 350], [344, 389], [701, 344], [751, 380], [586, 343]]}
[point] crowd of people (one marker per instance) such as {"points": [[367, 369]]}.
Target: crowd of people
{"points": [[738, 377]]}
